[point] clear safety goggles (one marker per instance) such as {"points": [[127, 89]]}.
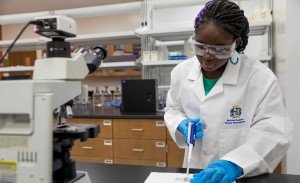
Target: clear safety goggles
{"points": [[219, 52]]}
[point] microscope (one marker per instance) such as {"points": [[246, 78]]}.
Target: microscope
{"points": [[32, 149]]}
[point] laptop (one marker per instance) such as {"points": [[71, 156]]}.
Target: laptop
{"points": [[138, 95]]}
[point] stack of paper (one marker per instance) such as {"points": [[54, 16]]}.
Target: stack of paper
{"points": [[164, 177]]}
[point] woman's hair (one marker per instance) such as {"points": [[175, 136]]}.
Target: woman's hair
{"points": [[227, 15]]}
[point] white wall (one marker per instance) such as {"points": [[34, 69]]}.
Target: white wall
{"points": [[293, 81]]}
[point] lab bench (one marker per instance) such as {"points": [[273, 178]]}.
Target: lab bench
{"points": [[103, 173], [125, 138]]}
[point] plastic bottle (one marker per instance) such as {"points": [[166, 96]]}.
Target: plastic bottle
{"points": [[107, 96], [163, 52], [97, 97], [117, 96]]}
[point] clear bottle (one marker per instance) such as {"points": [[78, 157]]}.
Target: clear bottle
{"points": [[97, 97], [106, 97], [117, 96]]}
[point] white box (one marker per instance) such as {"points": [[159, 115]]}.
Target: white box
{"points": [[146, 56], [153, 56]]}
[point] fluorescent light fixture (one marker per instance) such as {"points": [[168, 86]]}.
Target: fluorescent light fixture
{"points": [[74, 13]]}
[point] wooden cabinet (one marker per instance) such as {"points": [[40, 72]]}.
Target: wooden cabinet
{"points": [[140, 141], [129, 141], [98, 149]]}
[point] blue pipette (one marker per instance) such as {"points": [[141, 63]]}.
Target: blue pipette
{"points": [[191, 143]]}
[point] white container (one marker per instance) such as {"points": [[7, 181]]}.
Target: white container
{"points": [[153, 56], [84, 97], [266, 14], [146, 56], [256, 14], [163, 52]]}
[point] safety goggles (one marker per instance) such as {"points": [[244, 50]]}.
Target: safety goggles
{"points": [[219, 52]]}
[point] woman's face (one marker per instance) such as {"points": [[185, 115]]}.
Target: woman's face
{"points": [[211, 34]]}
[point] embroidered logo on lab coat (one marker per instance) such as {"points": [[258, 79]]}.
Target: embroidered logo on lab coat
{"points": [[235, 116], [236, 111]]}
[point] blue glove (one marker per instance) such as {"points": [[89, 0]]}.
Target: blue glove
{"points": [[220, 171], [183, 127]]}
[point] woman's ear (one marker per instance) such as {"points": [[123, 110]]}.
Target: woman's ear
{"points": [[238, 42]]}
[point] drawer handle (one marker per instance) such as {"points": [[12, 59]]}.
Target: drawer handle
{"points": [[87, 147], [107, 142], [108, 161], [137, 129], [158, 164], [160, 144], [107, 122], [160, 123], [138, 150]]}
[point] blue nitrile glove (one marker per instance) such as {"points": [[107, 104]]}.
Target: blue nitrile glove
{"points": [[220, 171], [183, 127]]}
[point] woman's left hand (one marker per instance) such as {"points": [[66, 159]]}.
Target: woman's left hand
{"points": [[220, 171]]}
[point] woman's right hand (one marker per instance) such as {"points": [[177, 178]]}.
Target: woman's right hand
{"points": [[183, 127]]}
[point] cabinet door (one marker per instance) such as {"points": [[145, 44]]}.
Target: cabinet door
{"points": [[139, 128], [139, 149], [175, 155], [105, 125]]}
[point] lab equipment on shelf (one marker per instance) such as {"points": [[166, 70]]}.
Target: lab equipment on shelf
{"points": [[97, 97], [107, 96], [117, 97]]}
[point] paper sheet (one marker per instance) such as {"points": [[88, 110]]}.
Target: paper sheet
{"points": [[165, 177]]}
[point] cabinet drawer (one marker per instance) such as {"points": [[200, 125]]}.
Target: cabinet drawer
{"points": [[140, 162], [139, 128], [139, 149], [95, 147], [105, 125], [93, 159]]}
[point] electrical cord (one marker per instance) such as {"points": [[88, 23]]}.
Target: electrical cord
{"points": [[34, 22]]}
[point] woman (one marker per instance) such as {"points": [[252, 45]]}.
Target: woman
{"points": [[243, 128]]}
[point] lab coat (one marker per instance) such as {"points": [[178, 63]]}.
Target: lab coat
{"points": [[243, 116]]}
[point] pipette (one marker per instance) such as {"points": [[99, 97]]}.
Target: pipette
{"points": [[191, 142]]}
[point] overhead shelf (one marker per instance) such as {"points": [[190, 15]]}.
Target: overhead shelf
{"points": [[256, 28], [119, 64], [168, 34], [24, 44], [105, 39], [103, 10], [16, 69], [259, 27], [265, 58], [80, 40], [163, 62], [177, 3]]}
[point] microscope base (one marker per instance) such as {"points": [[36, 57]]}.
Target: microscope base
{"points": [[82, 177]]}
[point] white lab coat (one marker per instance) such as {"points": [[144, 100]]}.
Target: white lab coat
{"points": [[244, 118]]}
